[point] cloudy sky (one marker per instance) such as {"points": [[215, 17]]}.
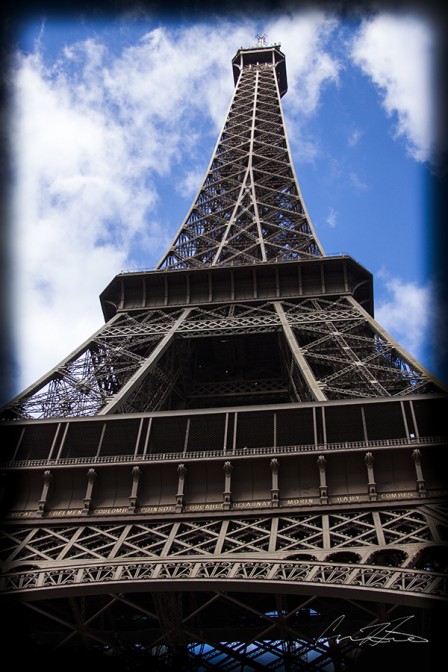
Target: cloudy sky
{"points": [[114, 123]]}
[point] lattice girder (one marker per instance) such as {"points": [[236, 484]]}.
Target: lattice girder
{"points": [[83, 383], [249, 207], [251, 466], [370, 582], [347, 353], [271, 537]]}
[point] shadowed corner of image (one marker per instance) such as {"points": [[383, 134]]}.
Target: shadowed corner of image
{"points": [[438, 247], [8, 363], [17, 641]]}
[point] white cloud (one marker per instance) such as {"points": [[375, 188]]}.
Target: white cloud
{"points": [[357, 182], [331, 218], [354, 137], [406, 314], [93, 131], [190, 183], [396, 52], [305, 40]]}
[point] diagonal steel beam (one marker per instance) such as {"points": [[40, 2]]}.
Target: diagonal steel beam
{"points": [[303, 365], [77, 629], [114, 404]]}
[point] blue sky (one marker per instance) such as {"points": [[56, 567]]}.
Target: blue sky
{"points": [[114, 123]]}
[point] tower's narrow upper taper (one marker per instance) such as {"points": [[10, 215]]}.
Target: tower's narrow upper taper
{"points": [[258, 55], [249, 208]]}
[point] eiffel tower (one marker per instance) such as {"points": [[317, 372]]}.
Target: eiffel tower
{"points": [[241, 470]]}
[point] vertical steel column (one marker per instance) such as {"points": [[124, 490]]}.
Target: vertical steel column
{"points": [[227, 494], [91, 477], [323, 491], [136, 473], [274, 464], [48, 477], [417, 458], [181, 472], [368, 459]]}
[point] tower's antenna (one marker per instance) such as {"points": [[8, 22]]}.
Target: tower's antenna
{"points": [[261, 40]]}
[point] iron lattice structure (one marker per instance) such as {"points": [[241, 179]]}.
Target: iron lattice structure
{"points": [[241, 459]]}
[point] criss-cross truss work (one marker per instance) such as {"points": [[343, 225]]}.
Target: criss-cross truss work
{"points": [[249, 207], [298, 350], [241, 454], [324, 342]]}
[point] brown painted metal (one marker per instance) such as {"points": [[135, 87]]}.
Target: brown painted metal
{"points": [[241, 454]]}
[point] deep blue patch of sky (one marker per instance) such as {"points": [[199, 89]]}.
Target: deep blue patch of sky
{"points": [[374, 187]]}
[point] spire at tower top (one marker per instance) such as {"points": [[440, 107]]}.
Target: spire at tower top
{"points": [[249, 208], [262, 53]]}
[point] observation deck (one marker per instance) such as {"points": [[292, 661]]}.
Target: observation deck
{"points": [[259, 55]]}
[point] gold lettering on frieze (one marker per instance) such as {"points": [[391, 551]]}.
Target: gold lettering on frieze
{"points": [[303, 501], [397, 495], [108, 512], [251, 505], [22, 514], [66, 512], [347, 499], [203, 507], [155, 509]]}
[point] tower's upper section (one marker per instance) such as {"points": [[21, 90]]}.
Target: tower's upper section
{"points": [[256, 56], [249, 208]]}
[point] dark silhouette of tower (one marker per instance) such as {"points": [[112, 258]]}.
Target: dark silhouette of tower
{"points": [[241, 469]]}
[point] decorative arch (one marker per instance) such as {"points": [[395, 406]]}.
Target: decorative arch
{"points": [[433, 559], [346, 557], [388, 558]]}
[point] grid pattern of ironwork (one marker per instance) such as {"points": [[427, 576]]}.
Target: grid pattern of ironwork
{"points": [[361, 534], [284, 338], [249, 206], [346, 353]]}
